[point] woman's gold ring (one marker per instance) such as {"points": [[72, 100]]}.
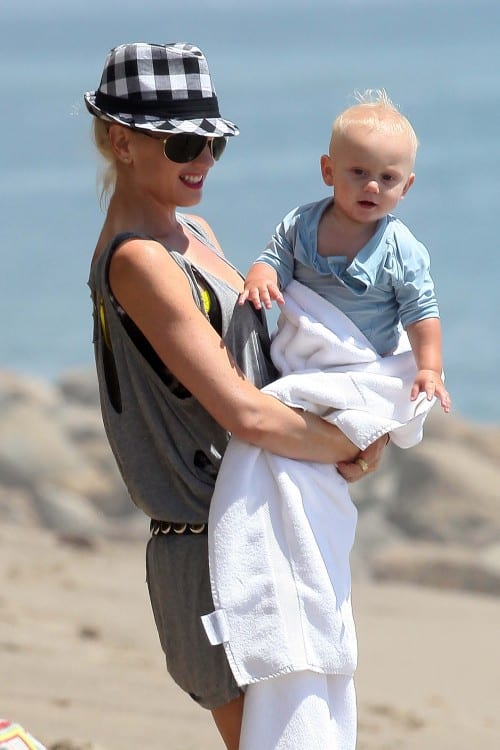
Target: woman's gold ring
{"points": [[362, 464]]}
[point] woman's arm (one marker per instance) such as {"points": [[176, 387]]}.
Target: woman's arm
{"points": [[155, 293]]}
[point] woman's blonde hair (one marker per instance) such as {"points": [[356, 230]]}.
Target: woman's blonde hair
{"points": [[375, 111], [106, 179]]}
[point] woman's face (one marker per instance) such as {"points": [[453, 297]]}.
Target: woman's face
{"points": [[143, 167], [179, 183]]}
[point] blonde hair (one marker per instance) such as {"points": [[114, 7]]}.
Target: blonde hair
{"points": [[374, 110], [106, 178]]}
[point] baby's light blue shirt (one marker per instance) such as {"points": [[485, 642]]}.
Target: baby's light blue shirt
{"points": [[387, 284]]}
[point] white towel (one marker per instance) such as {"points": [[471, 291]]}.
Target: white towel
{"points": [[302, 710], [280, 531], [329, 367]]}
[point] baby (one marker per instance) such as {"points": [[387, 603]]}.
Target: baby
{"points": [[352, 251]]}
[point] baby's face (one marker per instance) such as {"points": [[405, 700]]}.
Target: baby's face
{"points": [[370, 170]]}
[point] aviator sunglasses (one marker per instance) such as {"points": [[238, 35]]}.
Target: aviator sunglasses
{"points": [[185, 147]]}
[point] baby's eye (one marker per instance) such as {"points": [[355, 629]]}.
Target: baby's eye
{"points": [[358, 171], [387, 177]]}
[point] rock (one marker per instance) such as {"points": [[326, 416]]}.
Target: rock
{"points": [[491, 557], [436, 566], [32, 444], [482, 439], [80, 385], [16, 389], [68, 512], [83, 425], [430, 515], [448, 491], [373, 533], [35, 448], [18, 507], [46, 441]]}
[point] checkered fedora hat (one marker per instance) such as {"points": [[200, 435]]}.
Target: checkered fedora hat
{"points": [[163, 88]]}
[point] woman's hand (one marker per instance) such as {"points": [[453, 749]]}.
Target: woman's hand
{"points": [[365, 462]]}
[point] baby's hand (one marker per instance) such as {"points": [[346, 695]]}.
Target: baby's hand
{"points": [[260, 290], [430, 383]]}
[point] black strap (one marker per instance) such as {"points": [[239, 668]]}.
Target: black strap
{"points": [[139, 339]]}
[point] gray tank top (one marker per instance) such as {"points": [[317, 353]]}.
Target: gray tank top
{"points": [[167, 446]]}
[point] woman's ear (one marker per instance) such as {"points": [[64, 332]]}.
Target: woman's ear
{"points": [[327, 169], [119, 138]]}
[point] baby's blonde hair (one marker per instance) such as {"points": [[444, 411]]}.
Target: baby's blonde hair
{"points": [[107, 174], [375, 111]]}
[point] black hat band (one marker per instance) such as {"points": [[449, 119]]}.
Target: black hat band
{"points": [[202, 107]]}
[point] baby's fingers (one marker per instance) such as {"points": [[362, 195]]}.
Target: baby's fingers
{"points": [[254, 294], [423, 386], [263, 294], [256, 298], [444, 397], [430, 390], [415, 390], [261, 297], [243, 297], [275, 294]]}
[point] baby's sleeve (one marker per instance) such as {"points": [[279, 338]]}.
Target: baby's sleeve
{"points": [[279, 251], [414, 287]]}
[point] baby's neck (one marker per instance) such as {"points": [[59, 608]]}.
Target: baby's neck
{"points": [[339, 235]]}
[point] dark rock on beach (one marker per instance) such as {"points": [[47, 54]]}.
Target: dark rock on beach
{"points": [[430, 516]]}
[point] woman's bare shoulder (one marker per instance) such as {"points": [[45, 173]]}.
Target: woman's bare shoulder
{"points": [[141, 257], [206, 227]]}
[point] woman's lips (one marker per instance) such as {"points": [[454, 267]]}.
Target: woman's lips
{"points": [[193, 181]]}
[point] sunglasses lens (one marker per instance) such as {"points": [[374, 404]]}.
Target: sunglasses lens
{"points": [[218, 146], [184, 147]]}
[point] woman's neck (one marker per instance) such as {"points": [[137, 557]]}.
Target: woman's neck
{"points": [[131, 211]]}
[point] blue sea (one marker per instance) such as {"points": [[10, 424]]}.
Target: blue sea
{"points": [[283, 70]]}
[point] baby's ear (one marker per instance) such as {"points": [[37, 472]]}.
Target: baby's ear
{"points": [[327, 169], [409, 183]]}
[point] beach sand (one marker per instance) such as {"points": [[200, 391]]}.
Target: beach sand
{"points": [[81, 662]]}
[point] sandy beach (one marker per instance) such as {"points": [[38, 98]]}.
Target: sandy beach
{"points": [[82, 666]]}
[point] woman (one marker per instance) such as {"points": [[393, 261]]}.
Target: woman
{"points": [[179, 363]]}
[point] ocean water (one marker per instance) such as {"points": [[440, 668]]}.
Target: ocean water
{"points": [[282, 71]]}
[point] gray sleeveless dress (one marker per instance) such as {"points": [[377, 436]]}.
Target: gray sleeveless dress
{"points": [[168, 450]]}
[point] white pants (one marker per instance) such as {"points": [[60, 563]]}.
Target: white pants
{"points": [[300, 711]]}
